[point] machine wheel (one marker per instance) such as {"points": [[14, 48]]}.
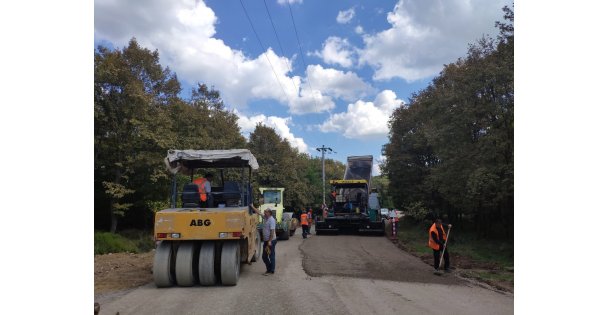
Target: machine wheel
{"points": [[185, 264], [230, 263], [285, 235], [258, 248], [162, 269], [206, 264]]}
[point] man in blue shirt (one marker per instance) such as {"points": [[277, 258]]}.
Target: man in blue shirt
{"points": [[269, 237]]}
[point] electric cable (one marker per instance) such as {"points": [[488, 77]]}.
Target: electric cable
{"points": [[280, 45], [263, 51], [302, 54]]}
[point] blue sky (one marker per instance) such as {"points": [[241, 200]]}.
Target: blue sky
{"points": [[361, 58]]}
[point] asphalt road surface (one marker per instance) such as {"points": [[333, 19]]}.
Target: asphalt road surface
{"points": [[324, 274]]}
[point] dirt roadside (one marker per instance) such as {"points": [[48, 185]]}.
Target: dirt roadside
{"points": [[122, 271]]}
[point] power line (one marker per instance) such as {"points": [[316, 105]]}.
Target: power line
{"points": [[302, 54], [263, 51], [278, 40]]}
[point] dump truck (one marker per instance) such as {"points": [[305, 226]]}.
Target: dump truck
{"points": [[205, 242], [354, 206], [273, 199]]}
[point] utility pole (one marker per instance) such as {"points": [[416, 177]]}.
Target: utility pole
{"points": [[323, 149]]}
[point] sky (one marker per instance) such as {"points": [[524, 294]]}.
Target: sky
{"points": [[48, 60], [333, 79]]}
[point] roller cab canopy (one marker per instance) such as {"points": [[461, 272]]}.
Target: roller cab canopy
{"points": [[185, 161]]}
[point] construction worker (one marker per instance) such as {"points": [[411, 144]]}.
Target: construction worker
{"points": [[204, 189], [269, 236], [304, 224], [437, 239]]}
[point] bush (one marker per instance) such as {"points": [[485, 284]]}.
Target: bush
{"points": [[131, 241], [143, 240], [417, 211]]}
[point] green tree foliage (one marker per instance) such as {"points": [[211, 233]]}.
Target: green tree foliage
{"points": [[381, 184], [132, 91], [451, 149], [138, 117], [282, 166]]}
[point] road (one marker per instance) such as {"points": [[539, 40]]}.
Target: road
{"points": [[324, 274]]}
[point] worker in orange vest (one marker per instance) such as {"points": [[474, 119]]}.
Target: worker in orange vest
{"points": [[437, 238], [304, 223], [204, 189]]}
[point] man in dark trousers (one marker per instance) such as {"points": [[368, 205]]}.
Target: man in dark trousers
{"points": [[269, 237], [304, 224], [437, 239]]}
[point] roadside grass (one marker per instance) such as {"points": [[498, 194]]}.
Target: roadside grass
{"points": [[130, 241], [490, 261]]}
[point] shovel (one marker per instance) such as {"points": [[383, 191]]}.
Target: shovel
{"points": [[445, 245]]}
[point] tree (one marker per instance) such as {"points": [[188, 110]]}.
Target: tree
{"points": [[138, 117], [451, 148], [278, 163], [282, 166], [131, 92]]}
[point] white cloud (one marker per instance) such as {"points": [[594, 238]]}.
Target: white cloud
{"points": [[336, 50], [310, 101], [345, 16], [182, 31], [364, 119], [279, 124], [345, 85], [359, 29], [283, 2], [425, 34]]}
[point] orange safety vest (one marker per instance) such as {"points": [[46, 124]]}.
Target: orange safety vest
{"points": [[200, 182], [304, 219], [432, 243]]}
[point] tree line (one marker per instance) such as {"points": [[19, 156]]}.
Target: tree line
{"points": [[139, 115], [450, 150]]}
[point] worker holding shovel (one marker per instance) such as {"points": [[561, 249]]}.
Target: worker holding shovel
{"points": [[438, 242]]}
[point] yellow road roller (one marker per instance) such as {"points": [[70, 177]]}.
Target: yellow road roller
{"points": [[204, 237]]}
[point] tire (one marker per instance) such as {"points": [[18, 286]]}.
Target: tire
{"points": [[284, 236], [258, 248], [230, 263], [162, 269], [206, 264], [186, 263]]}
